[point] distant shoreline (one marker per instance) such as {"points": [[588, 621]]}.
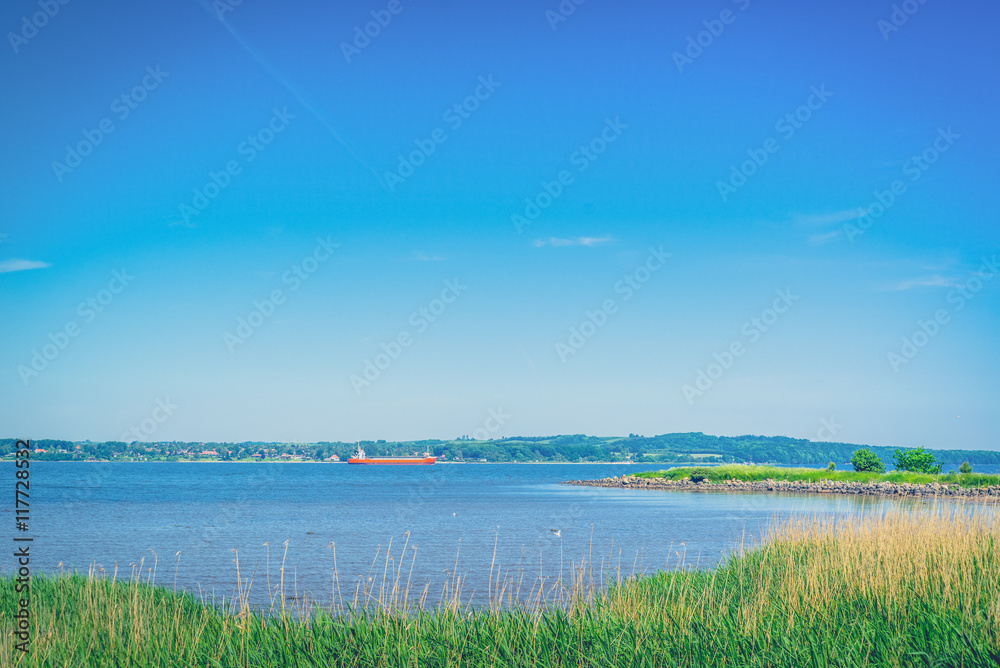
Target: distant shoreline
{"points": [[666, 450]]}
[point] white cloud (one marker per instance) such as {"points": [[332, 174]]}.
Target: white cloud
{"points": [[21, 265], [935, 281], [826, 220], [423, 257], [940, 265], [832, 218], [820, 239], [577, 241]]}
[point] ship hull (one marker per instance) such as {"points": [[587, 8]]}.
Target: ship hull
{"points": [[393, 461]]}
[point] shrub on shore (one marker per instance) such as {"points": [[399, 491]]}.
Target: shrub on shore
{"points": [[916, 460], [866, 461], [699, 475]]}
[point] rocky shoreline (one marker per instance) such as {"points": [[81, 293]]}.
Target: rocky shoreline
{"points": [[890, 489]]}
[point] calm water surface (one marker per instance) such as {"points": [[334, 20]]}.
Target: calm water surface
{"points": [[106, 514]]}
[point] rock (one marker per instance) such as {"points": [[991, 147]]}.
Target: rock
{"points": [[934, 489]]}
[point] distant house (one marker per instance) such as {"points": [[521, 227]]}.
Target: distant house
{"points": [[39, 450], [213, 453]]}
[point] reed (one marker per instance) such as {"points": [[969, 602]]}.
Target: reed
{"points": [[898, 588]]}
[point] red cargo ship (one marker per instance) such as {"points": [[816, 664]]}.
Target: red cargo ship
{"points": [[360, 458]]}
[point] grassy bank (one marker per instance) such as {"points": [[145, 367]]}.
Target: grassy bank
{"points": [[904, 589], [753, 473]]}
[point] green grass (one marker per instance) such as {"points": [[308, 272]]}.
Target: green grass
{"points": [[902, 589], [752, 473]]}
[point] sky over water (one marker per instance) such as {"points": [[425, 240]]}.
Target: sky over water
{"points": [[305, 221]]}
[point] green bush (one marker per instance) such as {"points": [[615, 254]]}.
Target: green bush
{"points": [[916, 460], [831, 466], [698, 475], [966, 467], [866, 461]]}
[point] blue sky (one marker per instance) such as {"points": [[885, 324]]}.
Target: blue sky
{"points": [[515, 176]]}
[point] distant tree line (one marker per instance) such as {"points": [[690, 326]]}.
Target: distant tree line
{"points": [[666, 448], [785, 450]]}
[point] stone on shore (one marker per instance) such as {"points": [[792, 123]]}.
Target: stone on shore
{"points": [[884, 488]]}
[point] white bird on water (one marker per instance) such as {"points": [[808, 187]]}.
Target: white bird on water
{"points": [[557, 532]]}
